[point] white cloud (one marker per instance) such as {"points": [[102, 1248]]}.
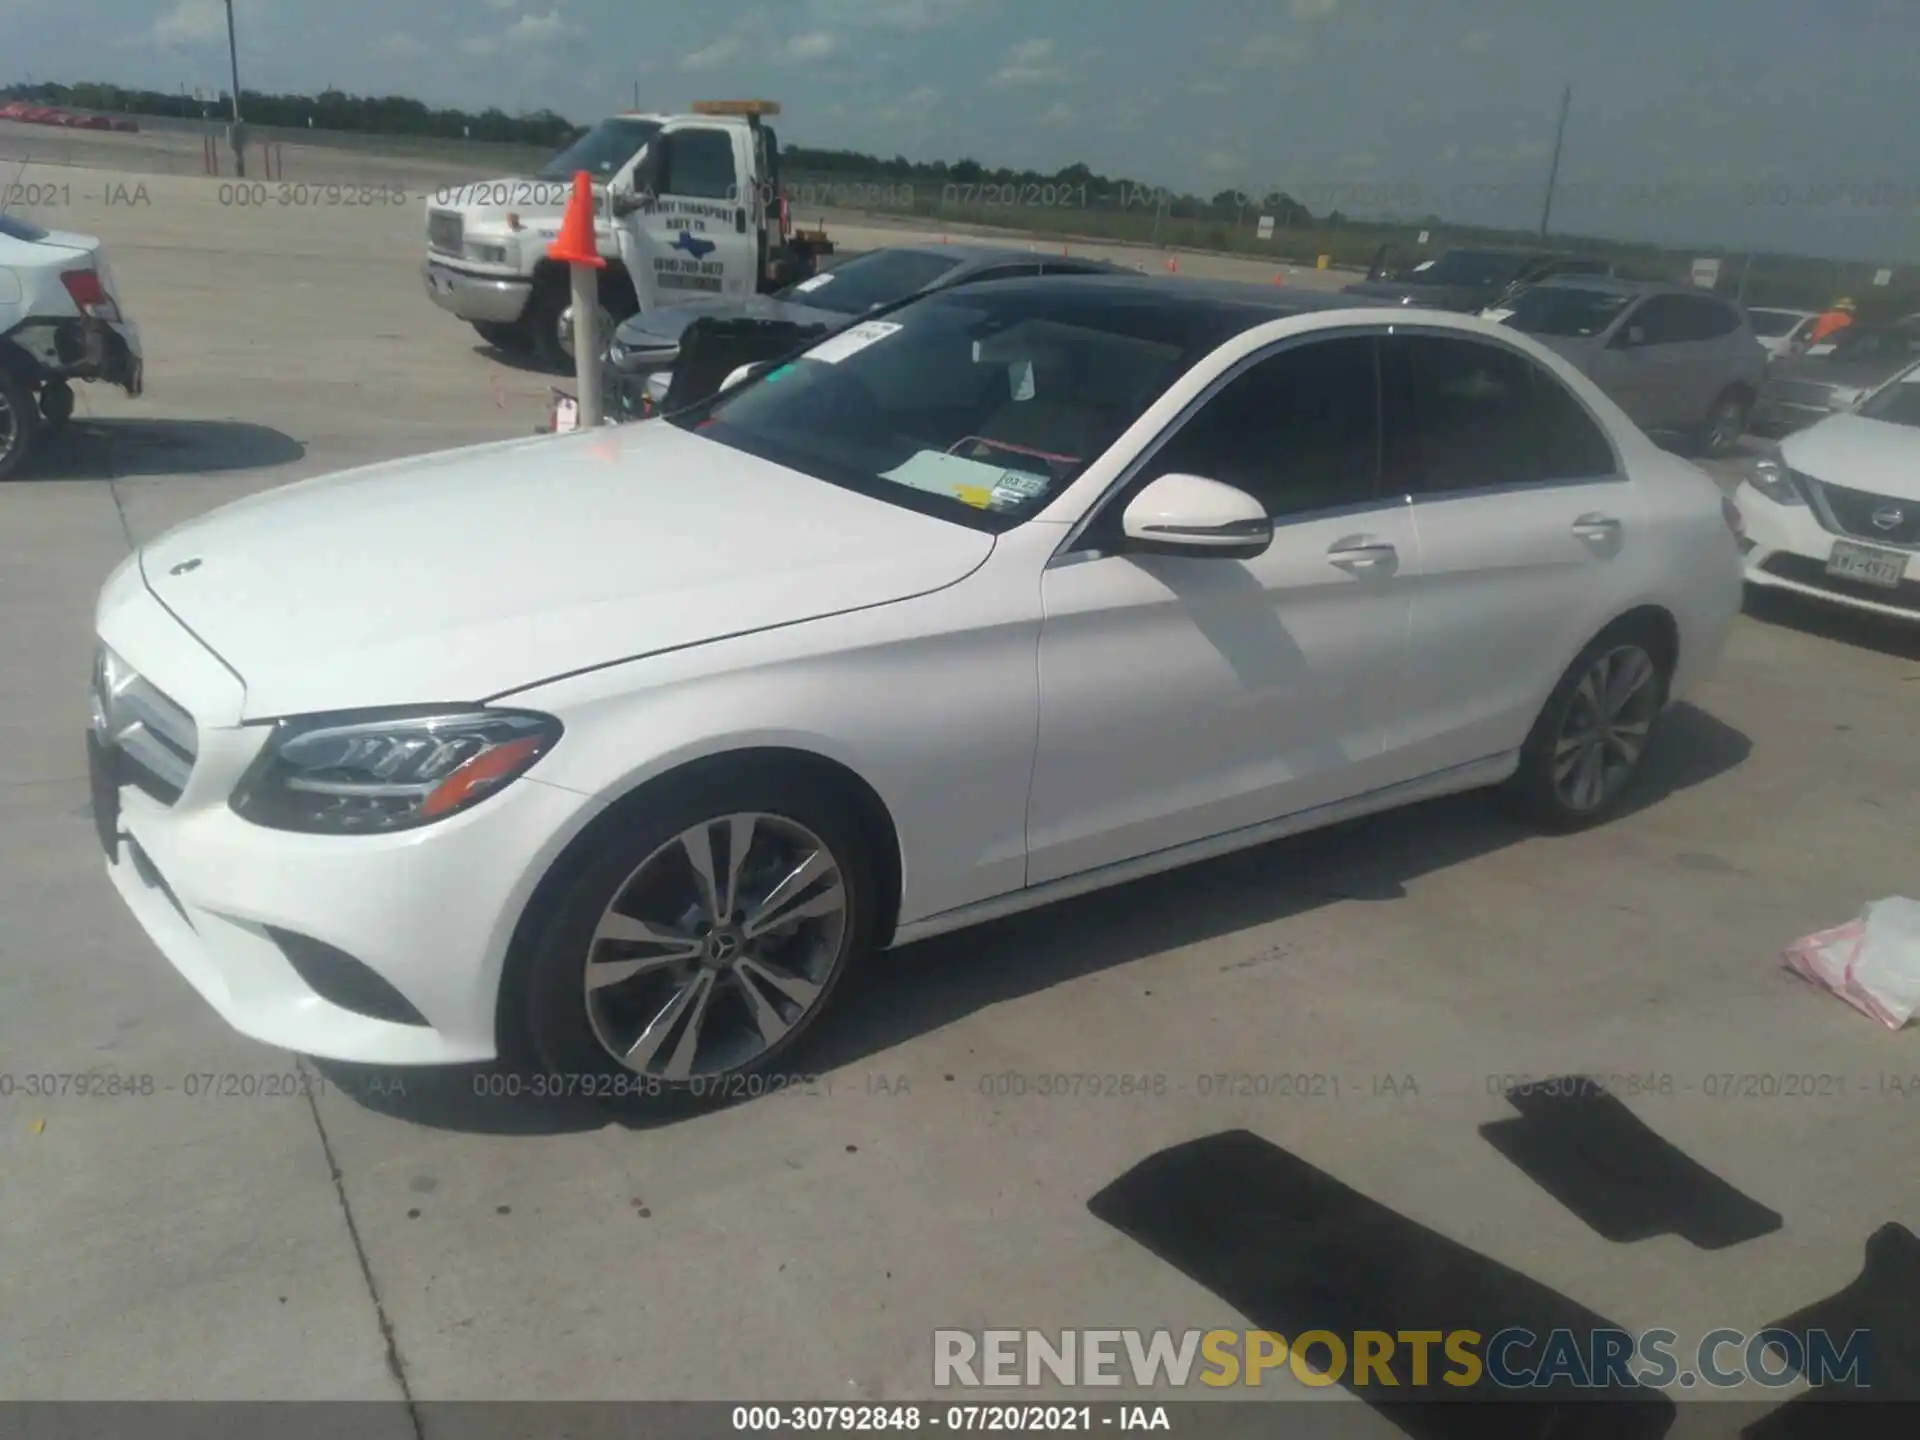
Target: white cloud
{"points": [[1449, 153], [480, 45], [501, 7], [401, 46], [1213, 87], [1058, 113], [904, 15], [1477, 41], [1027, 63], [1219, 162], [1530, 150], [1314, 9], [914, 105], [816, 45], [1254, 51], [539, 29], [713, 56], [191, 22]]}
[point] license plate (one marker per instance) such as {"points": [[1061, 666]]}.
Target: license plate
{"points": [[1868, 564], [103, 787]]}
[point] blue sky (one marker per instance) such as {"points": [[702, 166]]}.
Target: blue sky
{"points": [[1742, 122]]}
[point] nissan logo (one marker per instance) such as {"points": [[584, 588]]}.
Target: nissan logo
{"points": [[1889, 517]]}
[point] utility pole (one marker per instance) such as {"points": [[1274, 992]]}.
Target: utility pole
{"points": [[1553, 172], [636, 95], [239, 134]]}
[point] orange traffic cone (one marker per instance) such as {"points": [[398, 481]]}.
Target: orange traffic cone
{"points": [[1173, 265], [575, 244], [1278, 278], [1063, 249]]}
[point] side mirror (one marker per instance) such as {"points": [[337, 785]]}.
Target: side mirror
{"points": [[630, 202], [1193, 516]]}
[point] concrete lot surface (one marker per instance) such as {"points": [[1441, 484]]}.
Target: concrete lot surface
{"points": [[349, 1241]]}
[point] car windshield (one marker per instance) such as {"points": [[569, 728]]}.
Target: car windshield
{"points": [[1468, 267], [976, 408], [15, 228], [1898, 403], [869, 281], [1567, 310], [602, 150], [1771, 324]]}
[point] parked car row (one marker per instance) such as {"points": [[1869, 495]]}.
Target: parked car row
{"points": [[29, 114]]}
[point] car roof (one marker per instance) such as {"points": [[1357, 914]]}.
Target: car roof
{"points": [[970, 255], [1782, 310], [1202, 313], [1614, 285]]}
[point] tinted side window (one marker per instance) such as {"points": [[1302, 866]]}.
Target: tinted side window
{"points": [[701, 165], [1703, 319], [1664, 318], [1465, 415], [1298, 430], [1002, 272]]}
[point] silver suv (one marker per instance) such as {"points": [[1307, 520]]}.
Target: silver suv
{"points": [[1678, 360]]}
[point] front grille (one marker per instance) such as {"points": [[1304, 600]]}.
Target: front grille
{"points": [[1803, 570], [1877, 519], [151, 737], [445, 231]]}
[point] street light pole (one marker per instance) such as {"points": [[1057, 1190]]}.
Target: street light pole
{"points": [[1553, 172], [238, 136]]}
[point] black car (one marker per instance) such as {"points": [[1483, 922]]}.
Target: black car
{"points": [[646, 348], [1834, 375], [1472, 280]]}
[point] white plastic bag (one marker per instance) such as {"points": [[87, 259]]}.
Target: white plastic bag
{"points": [[1872, 963]]}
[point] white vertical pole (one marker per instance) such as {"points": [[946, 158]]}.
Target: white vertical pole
{"points": [[586, 341]]}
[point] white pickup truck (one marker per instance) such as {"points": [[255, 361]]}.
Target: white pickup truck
{"points": [[687, 204], [60, 321]]}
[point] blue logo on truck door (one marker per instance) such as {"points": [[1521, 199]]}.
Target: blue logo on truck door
{"points": [[691, 243]]}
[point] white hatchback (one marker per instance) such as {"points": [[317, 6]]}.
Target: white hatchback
{"points": [[615, 751], [1835, 513]]}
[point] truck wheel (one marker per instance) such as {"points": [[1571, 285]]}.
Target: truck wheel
{"points": [[510, 337], [19, 422], [56, 405], [545, 309]]}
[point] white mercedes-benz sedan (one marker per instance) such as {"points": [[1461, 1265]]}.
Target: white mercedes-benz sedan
{"points": [[612, 753], [1835, 513]]}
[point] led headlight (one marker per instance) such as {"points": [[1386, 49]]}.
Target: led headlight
{"points": [[1771, 477], [371, 773]]}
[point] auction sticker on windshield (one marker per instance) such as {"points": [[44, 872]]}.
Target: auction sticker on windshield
{"points": [[807, 287], [851, 341]]}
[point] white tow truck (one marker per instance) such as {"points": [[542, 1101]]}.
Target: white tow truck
{"points": [[685, 205]]}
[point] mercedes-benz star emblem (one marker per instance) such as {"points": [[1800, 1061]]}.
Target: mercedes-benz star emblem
{"points": [[1889, 517], [185, 566]]}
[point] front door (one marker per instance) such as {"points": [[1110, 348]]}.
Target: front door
{"points": [[1523, 515], [1182, 698], [696, 239]]}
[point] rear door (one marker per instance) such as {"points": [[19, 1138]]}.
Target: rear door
{"points": [[697, 239], [1644, 361], [1521, 512]]}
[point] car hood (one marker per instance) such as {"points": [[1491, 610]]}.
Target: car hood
{"points": [[464, 575], [537, 207], [1821, 371], [1436, 297], [1860, 454], [662, 329]]}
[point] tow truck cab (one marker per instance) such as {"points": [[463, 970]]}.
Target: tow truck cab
{"points": [[686, 204]]}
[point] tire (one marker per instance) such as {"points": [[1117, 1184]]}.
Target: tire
{"points": [[542, 322], [1726, 421], [510, 337], [1547, 789], [56, 406], [757, 997], [19, 422]]}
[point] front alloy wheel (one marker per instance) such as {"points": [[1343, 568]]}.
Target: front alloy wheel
{"points": [[719, 944], [697, 936]]}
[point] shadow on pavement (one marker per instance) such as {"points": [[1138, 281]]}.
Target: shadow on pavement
{"points": [[1859, 628], [924, 987], [117, 449]]}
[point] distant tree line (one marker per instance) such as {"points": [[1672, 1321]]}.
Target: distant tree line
{"points": [[337, 110], [329, 110]]}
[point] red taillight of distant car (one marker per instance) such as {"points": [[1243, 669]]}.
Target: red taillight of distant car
{"points": [[89, 295]]}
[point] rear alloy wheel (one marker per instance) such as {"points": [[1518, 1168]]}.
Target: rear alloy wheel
{"points": [[1726, 422], [19, 422], [693, 954], [1589, 739]]}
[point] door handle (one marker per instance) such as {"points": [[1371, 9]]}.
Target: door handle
{"points": [[1363, 553], [1597, 527]]}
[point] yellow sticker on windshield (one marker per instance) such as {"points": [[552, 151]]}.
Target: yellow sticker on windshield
{"points": [[978, 496]]}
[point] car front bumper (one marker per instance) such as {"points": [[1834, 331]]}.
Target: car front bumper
{"points": [[1788, 549], [488, 299], [430, 912]]}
